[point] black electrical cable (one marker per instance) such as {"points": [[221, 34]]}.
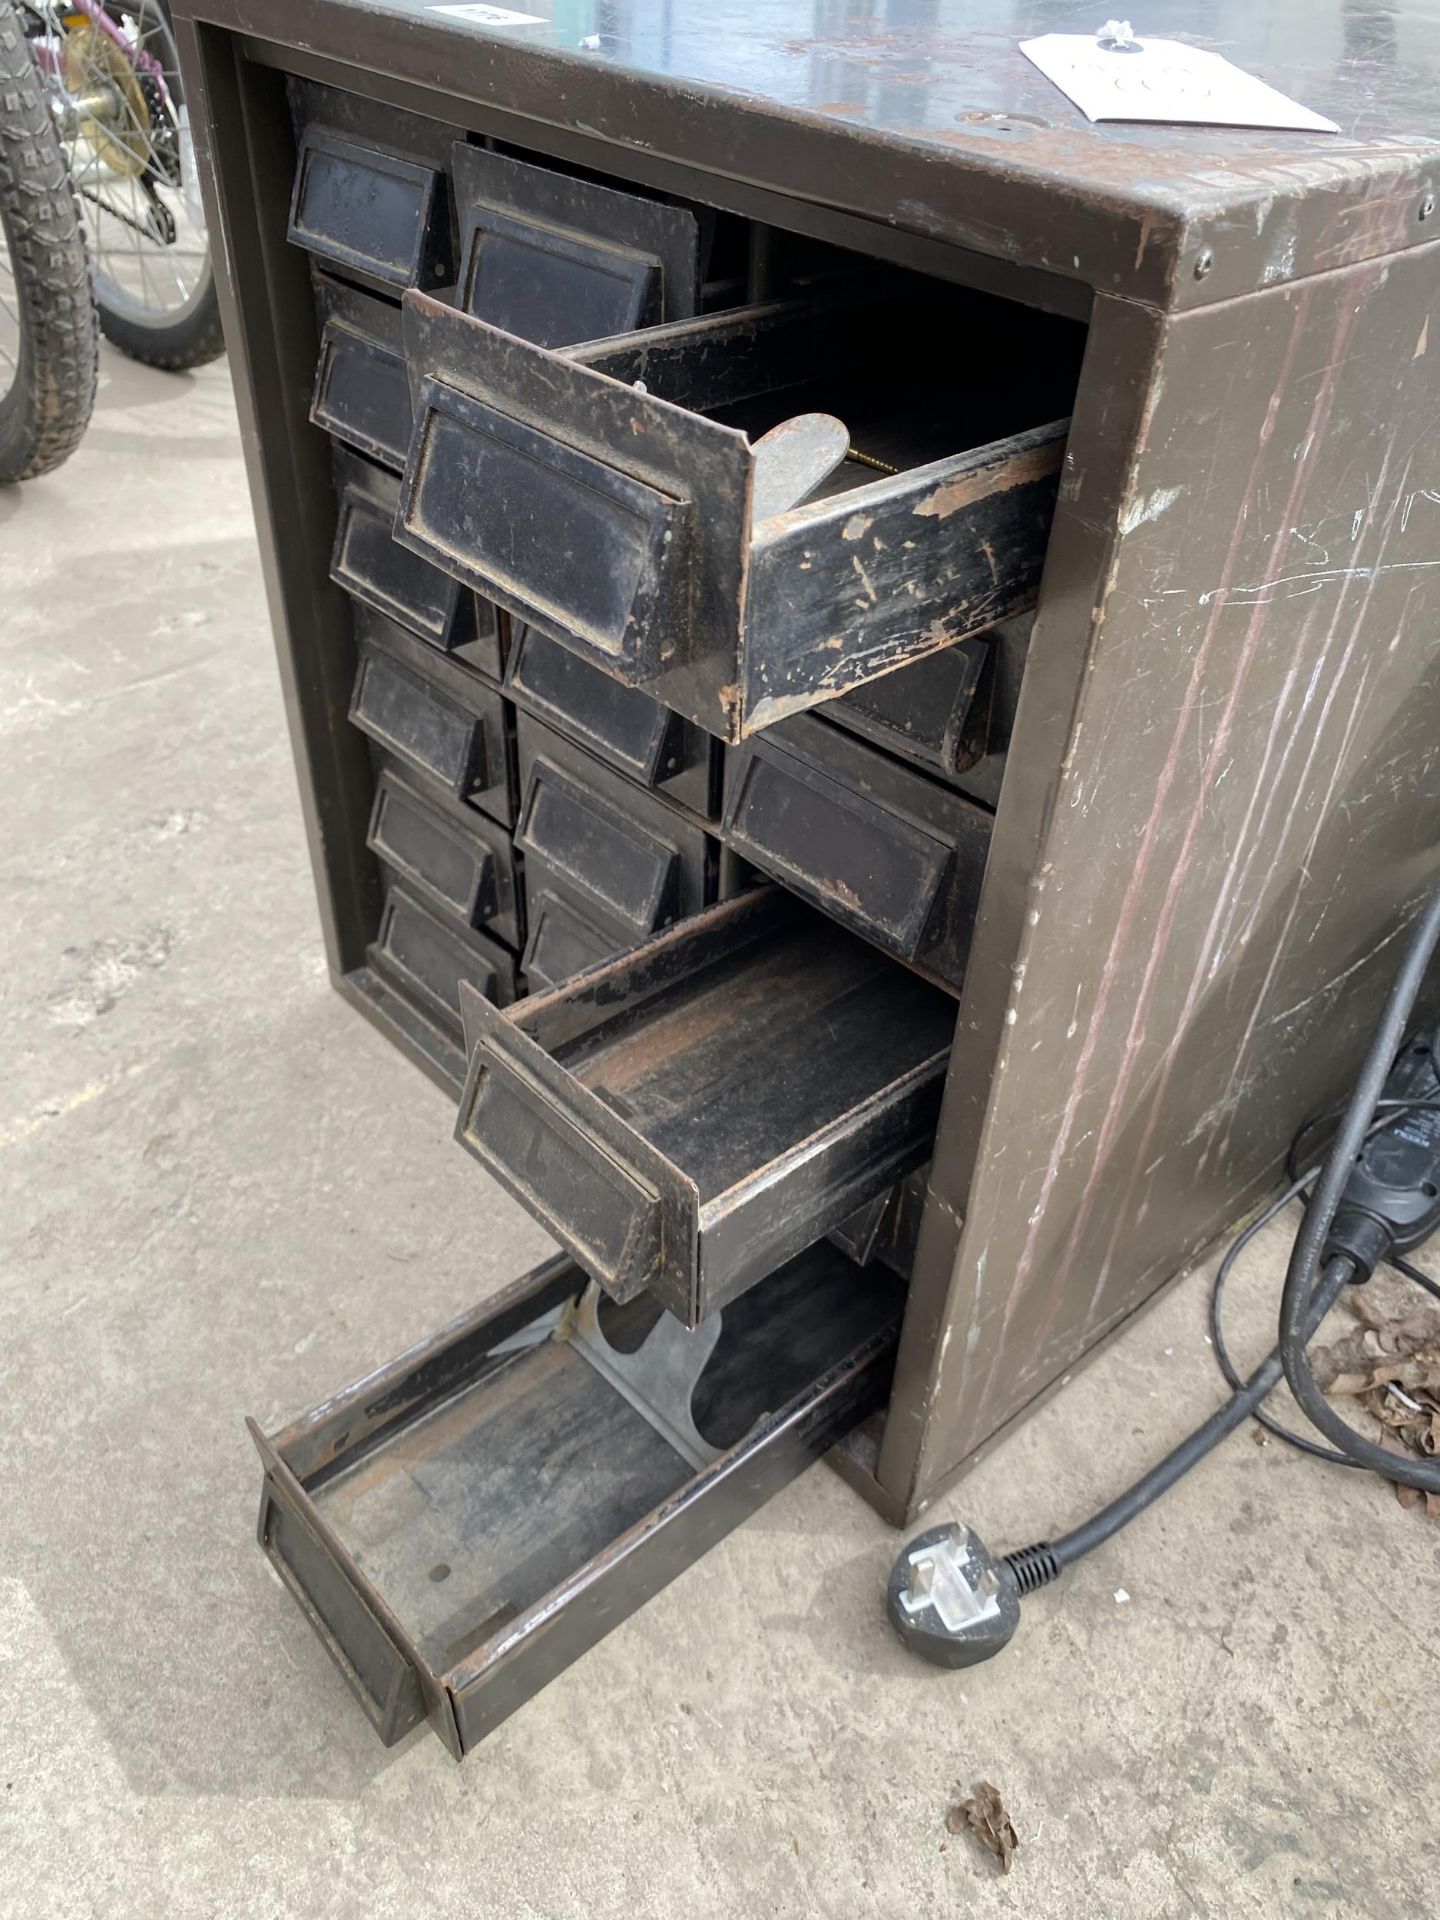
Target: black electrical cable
{"points": [[956, 1603], [1217, 1334], [1395, 1110], [1302, 1275]]}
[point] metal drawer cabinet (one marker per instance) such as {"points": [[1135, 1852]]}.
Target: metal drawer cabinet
{"points": [[618, 724], [464, 1523], [456, 859], [606, 493], [441, 722], [377, 570], [555, 259], [686, 1117], [881, 848], [428, 959], [606, 863]]}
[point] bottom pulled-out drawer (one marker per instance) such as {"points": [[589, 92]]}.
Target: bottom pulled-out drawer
{"points": [[463, 1524]]}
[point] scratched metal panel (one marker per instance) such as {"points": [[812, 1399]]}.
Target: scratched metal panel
{"points": [[1246, 814]]}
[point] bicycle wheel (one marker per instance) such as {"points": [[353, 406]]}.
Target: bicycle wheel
{"points": [[49, 348], [128, 134]]}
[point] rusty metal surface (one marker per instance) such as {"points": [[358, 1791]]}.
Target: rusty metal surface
{"points": [[1228, 813], [977, 146]]}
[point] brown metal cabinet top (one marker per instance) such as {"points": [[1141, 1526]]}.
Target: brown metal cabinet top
{"points": [[924, 115]]}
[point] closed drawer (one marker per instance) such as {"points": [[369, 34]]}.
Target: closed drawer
{"points": [[378, 571], [627, 862], [686, 1117], [436, 719], [463, 1523], [619, 724], [555, 260], [934, 712], [621, 496], [362, 388], [455, 859], [374, 214], [428, 959], [562, 935], [873, 843]]}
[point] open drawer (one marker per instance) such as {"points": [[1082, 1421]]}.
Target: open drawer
{"points": [[461, 1525], [689, 1115], [607, 493]]}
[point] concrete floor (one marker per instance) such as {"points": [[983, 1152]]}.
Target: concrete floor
{"points": [[223, 1193]]}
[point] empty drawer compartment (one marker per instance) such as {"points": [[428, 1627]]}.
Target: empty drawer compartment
{"points": [[686, 1117], [380, 216], [448, 726], [607, 493], [454, 858], [464, 1523], [556, 260], [427, 959], [362, 389], [934, 711], [635, 863], [879, 847], [378, 571]]}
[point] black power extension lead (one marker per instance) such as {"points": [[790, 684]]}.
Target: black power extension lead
{"points": [[1377, 1196]]}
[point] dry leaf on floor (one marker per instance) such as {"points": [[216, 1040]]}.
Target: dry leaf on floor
{"points": [[985, 1816], [1393, 1369]]}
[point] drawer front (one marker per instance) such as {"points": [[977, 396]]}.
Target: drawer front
{"points": [[932, 712], [362, 387], [604, 495], [382, 573], [371, 213], [887, 853], [463, 866], [428, 960], [687, 1116], [450, 730], [547, 1544], [635, 863], [555, 260], [619, 724], [563, 936]]}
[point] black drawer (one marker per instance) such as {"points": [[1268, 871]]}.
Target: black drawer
{"points": [[428, 959], [454, 858], [625, 862], [935, 711], [380, 572], [619, 724], [879, 847], [465, 1522], [435, 718], [374, 214], [555, 260], [686, 1117], [362, 389], [603, 493]]}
